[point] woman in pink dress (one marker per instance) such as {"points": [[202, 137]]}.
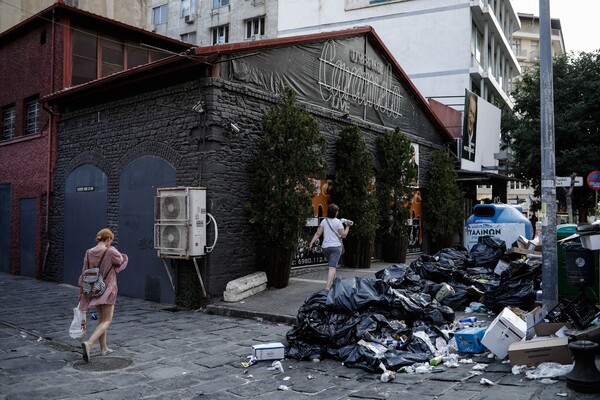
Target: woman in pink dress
{"points": [[112, 263]]}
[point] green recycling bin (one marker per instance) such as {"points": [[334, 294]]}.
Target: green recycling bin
{"points": [[565, 290]]}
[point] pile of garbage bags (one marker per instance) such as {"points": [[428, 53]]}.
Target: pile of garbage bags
{"points": [[405, 314]]}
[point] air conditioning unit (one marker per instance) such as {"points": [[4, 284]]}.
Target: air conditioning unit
{"points": [[180, 222], [189, 19]]}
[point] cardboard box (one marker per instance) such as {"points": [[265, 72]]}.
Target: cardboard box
{"points": [[468, 340], [507, 328], [268, 351], [535, 352], [522, 242], [534, 317], [550, 328], [522, 252]]}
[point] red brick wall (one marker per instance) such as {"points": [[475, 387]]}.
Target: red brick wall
{"points": [[26, 71]]}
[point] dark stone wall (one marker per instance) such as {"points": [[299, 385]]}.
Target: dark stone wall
{"points": [[203, 149]]}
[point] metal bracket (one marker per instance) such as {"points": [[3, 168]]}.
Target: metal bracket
{"points": [[169, 274], [199, 277]]}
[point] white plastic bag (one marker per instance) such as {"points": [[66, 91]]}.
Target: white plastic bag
{"points": [[77, 329]]}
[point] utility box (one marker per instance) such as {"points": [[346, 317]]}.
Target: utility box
{"points": [[501, 220]]}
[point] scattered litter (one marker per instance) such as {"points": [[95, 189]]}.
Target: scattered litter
{"points": [[423, 368], [518, 369], [23, 334], [467, 361], [40, 339], [276, 366], [388, 376], [485, 381], [548, 381], [549, 370], [309, 377], [451, 360], [436, 360], [561, 394], [480, 367], [245, 371], [316, 360], [283, 387], [252, 360], [287, 378]]}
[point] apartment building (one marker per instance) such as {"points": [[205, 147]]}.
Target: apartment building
{"points": [[526, 44], [15, 11], [526, 41]]}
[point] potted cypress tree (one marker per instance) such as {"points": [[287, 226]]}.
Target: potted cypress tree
{"points": [[289, 153], [354, 193], [396, 176], [442, 202]]}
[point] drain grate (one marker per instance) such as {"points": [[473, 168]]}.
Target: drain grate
{"points": [[99, 364]]}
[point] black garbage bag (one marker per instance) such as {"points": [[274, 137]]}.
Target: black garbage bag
{"points": [[438, 314], [300, 350], [396, 359], [343, 328], [393, 275], [356, 294], [488, 251], [376, 328], [459, 299], [428, 268], [357, 356], [457, 257], [512, 293], [404, 307]]}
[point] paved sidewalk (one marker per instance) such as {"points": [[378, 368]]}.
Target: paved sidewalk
{"points": [[162, 354]]}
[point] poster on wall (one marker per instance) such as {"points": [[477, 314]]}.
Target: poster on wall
{"points": [[469, 136], [320, 202]]}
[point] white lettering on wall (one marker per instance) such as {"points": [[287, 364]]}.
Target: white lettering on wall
{"points": [[341, 84]]}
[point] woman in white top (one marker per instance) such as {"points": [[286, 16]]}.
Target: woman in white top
{"points": [[333, 231]]}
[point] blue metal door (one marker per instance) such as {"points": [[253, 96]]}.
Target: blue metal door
{"points": [[145, 276], [86, 200], [27, 232], [4, 226]]}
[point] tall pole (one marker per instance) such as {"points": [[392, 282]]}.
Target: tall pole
{"points": [[548, 211]]}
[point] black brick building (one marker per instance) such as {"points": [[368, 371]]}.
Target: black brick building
{"points": [[170, 124]]}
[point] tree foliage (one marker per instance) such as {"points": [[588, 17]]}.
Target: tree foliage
{"points": [[394, 182], [576, 84], [442, 200], [289, 154], [353, 189]]}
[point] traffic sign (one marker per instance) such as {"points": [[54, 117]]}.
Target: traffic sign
{"points": [[565, 181], [593, 180]]}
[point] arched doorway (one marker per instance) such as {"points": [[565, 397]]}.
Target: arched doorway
{"points": [[145, 277], [86, 199]]}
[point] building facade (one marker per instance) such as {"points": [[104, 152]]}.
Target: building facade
{"points": [[193, 122], [57, 48]]}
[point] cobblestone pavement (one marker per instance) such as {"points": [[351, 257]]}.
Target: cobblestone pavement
{"points": [[162, 354]]}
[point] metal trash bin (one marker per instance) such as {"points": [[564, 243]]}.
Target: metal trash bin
{"points": [[580, 265], [566, 289]]}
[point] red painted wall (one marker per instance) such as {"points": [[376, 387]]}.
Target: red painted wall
{"points": [[26, 71]]}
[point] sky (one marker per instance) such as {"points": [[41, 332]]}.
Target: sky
{"points": [[578, 19]]}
